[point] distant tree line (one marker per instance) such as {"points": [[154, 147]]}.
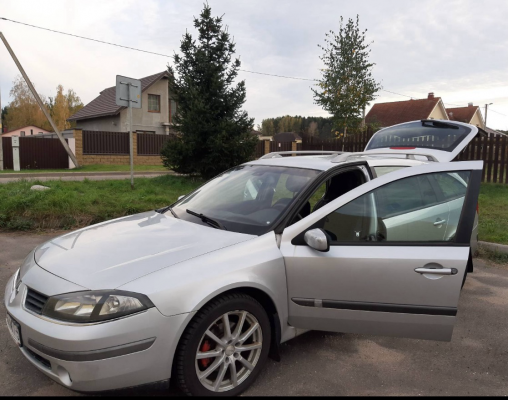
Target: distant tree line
{"points": [[305, 126], [23, 110]]}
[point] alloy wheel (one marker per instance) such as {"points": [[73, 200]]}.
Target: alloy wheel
{"points": [[229, 351]]}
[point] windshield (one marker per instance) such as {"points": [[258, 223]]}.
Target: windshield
{"points": [[422, 134], [246, 199]]}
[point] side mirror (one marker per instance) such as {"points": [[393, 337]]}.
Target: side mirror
{"points": [[317, 239], [181, 197]]}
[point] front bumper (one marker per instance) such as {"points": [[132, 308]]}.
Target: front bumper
{"points": [[126, 352]]}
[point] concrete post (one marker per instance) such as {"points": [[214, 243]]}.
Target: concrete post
{"points": [[15, 153], [294, 147]]}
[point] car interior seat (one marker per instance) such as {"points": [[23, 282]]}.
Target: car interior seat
{"points": [[339, 185], [294, 183]]}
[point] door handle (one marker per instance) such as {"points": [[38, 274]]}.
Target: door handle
{"points": [[437, 271], [439, 222]]}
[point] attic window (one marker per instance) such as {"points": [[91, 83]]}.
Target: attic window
{"points": [[154, 103]]}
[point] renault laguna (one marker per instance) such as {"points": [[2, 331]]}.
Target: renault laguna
{"points": [[204, 290]]}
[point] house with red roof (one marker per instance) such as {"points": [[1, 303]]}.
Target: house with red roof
{"points": [[470, 115], [155, 115], [398, 112]]}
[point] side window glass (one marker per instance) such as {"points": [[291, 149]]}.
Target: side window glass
{"points": [[404, 210], [452, 185], [318, 194]]}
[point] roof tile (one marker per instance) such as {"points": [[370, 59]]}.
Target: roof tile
{"points": [[397, 112], [105, 103], [461, 114]]}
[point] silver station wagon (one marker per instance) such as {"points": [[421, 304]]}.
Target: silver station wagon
{"points": [[204, 290]]}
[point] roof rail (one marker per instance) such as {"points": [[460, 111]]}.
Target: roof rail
{"points": [[277, 154], [409, 156]]}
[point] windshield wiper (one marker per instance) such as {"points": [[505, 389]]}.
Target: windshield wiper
{"points": [[208, 220], [164, 209]]}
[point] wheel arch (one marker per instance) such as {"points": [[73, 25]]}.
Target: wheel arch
{"points": [[258, 294]]}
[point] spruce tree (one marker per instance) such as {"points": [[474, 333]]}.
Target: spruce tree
{"points": [[214, 131]]}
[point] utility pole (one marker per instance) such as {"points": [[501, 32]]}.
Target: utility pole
{"points": [[486, 107], [39, 101]]}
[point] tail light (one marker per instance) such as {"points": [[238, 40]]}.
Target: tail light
{"points": [[478, 208]]}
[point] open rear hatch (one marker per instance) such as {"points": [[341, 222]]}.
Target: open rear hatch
{"points": [[441, 140]]}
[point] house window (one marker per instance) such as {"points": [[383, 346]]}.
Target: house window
{"points": [[172, 109], [154, 103], [22, 133]]}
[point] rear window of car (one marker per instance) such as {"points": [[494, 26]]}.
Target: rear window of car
{"points": [[422, 134], [380, 171]]}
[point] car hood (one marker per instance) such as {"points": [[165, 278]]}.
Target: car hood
{"points": [[110, 254]]}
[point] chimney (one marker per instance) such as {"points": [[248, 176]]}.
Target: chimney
{"points": [[470, 104], [431, 96]]}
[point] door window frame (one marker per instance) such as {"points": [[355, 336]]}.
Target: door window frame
{"points": [[309, 191], [464, 226]]}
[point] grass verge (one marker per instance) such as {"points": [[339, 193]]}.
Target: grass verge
{"points": [[71, 205], [91, 168], [493, 205], [494, 256]]}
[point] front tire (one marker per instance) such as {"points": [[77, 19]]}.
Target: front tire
{"points": [[224, 347]]}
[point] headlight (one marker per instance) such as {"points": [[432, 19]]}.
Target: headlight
{"points": [[17, 281], [95, 306]]}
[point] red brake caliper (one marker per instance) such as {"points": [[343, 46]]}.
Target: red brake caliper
{"points": [[205, 361]]}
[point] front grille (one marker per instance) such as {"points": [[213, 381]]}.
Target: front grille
{"points": [[38, 358], [35, 301]]}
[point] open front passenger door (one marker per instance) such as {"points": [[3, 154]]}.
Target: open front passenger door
{"points": [[395, 260]]}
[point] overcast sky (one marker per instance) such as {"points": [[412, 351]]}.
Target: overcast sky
{"points": [[456, 49]]}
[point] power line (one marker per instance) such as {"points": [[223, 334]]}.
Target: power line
{"points": [[86, 38], [136, 49], [160, 54], [280, 76], [168, 56], [497, 112]]}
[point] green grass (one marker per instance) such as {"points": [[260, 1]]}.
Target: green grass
{"points": [[494, 256], [92, 168], [493, 204], [71, 205]]}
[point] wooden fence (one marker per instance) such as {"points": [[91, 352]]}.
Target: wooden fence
{"points": [[97, 142], [7, 149], [36, 153], [492, 150], [150, 144]]}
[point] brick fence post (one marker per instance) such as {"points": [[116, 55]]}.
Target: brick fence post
{"points": [[293, 147], [78, 136], [267, 146]]}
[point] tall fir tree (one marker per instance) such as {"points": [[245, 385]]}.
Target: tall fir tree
{"points": [[214, 131], [347, 84]]}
